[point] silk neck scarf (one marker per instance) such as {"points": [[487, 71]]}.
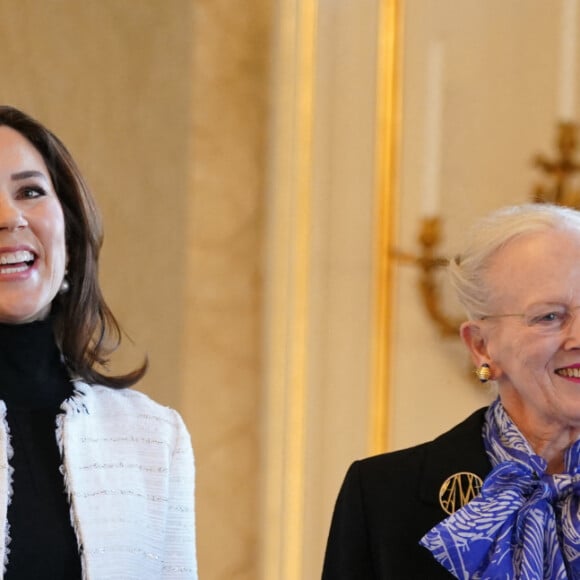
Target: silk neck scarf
{"points": [[525, 524]]}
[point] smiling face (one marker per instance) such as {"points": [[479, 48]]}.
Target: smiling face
{"points": [[533, 360], [32, 232]]}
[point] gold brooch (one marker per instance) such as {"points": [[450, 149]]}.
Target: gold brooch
{"points": [[459, 489]]}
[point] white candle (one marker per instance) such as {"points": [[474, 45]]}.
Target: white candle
{"points": [[567, 80], [433, 130]]}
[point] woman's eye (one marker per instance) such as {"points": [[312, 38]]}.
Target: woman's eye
{"points": [[549, 317], [32, 192]]}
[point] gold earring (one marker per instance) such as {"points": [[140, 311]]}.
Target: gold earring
{"points": [[483, 372]]}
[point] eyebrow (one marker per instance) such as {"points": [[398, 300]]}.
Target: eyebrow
{"points": [[549, 304], [27, 174]]}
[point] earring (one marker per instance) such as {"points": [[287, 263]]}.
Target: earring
{"points": [[64, 286], [483, 372]]}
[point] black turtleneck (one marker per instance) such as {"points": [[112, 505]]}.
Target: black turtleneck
{"points": [[33, 384]]}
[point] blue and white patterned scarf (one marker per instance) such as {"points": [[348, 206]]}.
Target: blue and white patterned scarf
{"points": [[525, 524]]}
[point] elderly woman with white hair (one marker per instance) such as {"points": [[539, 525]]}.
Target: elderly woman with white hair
{"points": [[498, 495]]}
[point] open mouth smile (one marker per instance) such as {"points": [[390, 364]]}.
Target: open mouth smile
{"points": [[16, 262], [569, 372]]}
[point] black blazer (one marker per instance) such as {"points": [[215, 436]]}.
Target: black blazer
{"points": [[389, 502]]}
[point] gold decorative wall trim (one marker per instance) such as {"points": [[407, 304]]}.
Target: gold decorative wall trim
{"points": [[310, 34], [287, 289], [388, 126], [294, 500]]}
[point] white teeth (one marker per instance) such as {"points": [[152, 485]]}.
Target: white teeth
{"points": [[13, 270], [16, 257], [575, 372]]}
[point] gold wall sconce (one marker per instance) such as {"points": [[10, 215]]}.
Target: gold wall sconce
{"points": [[429, 263], [557, 186], [559, 173]]}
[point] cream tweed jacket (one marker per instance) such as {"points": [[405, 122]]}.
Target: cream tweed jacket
{"points": [[128, 470]]}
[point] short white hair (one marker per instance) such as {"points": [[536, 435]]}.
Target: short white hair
{"points": [[467, 270]]}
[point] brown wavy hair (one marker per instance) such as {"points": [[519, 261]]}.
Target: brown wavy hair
{"points": [[85, 328]]}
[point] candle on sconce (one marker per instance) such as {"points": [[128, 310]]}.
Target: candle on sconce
{"points": [[433, 130], [567, 69]]}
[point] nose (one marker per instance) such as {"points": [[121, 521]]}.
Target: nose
{"points": [[11, 216]]}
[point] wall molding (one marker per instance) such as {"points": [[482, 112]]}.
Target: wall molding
{"points": [[387, 154], [329, 204], [287, 289]]}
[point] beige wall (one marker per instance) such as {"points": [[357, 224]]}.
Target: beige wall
{"points": [[221, 358], [319, 272]]}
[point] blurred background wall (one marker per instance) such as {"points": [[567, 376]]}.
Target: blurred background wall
{"points": [[258, 165]]}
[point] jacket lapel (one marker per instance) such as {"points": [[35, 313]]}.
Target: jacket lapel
{"points": [[5, 483], [457, 460]]}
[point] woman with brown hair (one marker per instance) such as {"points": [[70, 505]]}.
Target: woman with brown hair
{"points": [[96, 479]]}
